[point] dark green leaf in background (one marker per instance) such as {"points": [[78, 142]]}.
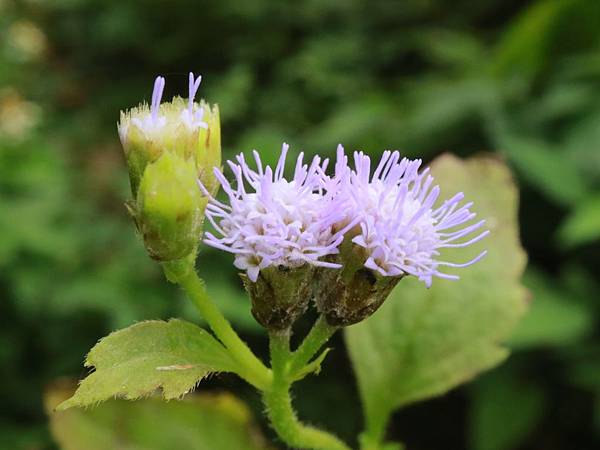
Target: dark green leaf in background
{"points": [[546, 167], [423, 342], [556, 317], [583, 224], [201, 422], [504, 409]]}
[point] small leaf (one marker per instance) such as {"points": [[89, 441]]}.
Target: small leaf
{"points": [[447, 103], [312, 367], [583, 224], [134, 362], [542, 164], [556, 317], [526, 43], [582, 140], [423, 342], [450, 47], [207, 421], [495, 422]]}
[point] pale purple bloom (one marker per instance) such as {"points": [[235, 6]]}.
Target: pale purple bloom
{"points": [[390, 213], [192, 116], [159, 87], [270, 221], [394, 213], [153, 120]]}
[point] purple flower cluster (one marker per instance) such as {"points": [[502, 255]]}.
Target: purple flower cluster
{"points": [[275, 222], [400, 228], [389, 213]]}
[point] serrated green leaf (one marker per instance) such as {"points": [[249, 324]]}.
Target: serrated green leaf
{"points": [[201, 422], [134, 362], [423, 342]]}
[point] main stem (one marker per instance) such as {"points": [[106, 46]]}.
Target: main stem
{"points": [[274, 383], [252, 369], [279, 403]]}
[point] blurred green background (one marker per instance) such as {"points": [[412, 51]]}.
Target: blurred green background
{"points": [[519, 78]]}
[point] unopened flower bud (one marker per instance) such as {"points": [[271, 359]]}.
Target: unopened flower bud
{"points": [[169, 209], [183, 127], [280, 294]]}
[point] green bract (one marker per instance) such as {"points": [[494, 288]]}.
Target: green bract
{"points": [[351, 294], [169, 211], [280, 295]]}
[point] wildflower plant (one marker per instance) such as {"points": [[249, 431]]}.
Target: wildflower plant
{"points": [[347, 242]]}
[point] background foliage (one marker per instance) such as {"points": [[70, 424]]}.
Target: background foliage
{"points": [[518, 78]]}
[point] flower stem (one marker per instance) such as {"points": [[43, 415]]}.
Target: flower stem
{"points": [[251, 368], [279, 403], [314, 340]]}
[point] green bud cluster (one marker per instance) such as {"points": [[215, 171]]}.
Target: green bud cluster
{"points": [[167, 152]]}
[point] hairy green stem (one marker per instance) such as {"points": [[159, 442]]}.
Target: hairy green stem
{"points": [[274, 383], [251, 368], [279, 404], [314, 340]]}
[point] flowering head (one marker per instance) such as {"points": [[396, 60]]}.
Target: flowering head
{"points": [[392, 230], [278, 230], [399, 228], [168, 146], [345, 240]]}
